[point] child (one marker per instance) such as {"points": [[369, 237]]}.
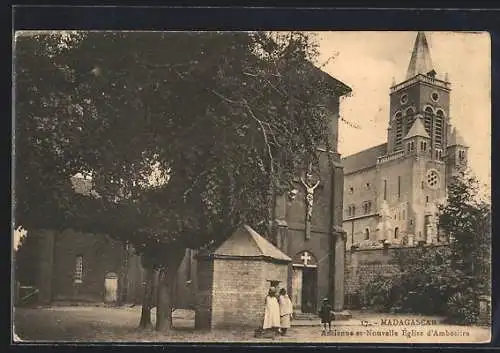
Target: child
{"points": [[325, 313]]}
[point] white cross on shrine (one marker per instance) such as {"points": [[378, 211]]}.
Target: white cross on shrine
{"points": [[305, 258]]}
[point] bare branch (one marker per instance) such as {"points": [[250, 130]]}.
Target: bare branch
{"points": [[350, 123], [163, 66], [330, 58], [266, 141], [224, 97]]}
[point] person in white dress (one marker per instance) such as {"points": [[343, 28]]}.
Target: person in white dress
{"points": [[272, 312], [286, 311]]}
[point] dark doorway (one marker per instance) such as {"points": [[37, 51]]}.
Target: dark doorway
{"points": [[309, 286]]}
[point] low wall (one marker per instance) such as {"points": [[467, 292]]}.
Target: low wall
{"points": [[363, 265]]}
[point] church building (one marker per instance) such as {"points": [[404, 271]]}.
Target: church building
{"points": [[391, 191], [308, 224]]}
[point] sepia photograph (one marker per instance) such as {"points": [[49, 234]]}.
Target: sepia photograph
{"points": [[251, 186]]}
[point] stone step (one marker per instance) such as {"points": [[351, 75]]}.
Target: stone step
{"points": [[306, 319], [305, 316]]}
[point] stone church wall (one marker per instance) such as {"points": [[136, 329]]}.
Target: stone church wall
{"points": [[56, 265], [100, 254], [318, 246], [360, 187]]}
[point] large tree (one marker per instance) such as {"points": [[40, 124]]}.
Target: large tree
{"points": [[42, 132], [226, 119], [466, 218]]}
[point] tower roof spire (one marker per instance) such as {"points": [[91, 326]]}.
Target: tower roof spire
{"points": [[456, 139], [420, 62]]}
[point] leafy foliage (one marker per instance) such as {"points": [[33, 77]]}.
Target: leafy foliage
{"points": [[377, 294], [463, 307], [225, 120], [444, 280], [467, 220], [43, 154], [228, 118]]}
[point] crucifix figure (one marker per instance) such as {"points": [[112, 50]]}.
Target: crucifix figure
{"points": [[309, 201]]}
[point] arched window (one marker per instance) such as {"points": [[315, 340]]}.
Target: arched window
{"points": [[396, 233], [78, 277], [423, 145], [438, 133], [367, 207], [367, 234], [461, 155], [438, 154], [428, 113], [399, 130], [410, 118], [351, 211], [409, 111]]}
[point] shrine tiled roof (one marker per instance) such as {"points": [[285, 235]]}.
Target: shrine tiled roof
{"points": [[246, 242]]}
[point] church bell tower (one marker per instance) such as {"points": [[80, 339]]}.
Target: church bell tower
{"points": [[421, 96]]}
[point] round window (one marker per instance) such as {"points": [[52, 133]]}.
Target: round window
{"points": [[433, 179], [435, 96], [404, 99]]}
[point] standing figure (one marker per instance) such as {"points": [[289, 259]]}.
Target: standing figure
{"points": [[286, 310], [309, 202], [272, 312], [325, 313]]}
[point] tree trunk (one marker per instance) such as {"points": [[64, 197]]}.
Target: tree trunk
{"points": [[166, 295], [147, 299]]}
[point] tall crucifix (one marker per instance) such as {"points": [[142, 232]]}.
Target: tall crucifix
{"points": [[309, 201]]}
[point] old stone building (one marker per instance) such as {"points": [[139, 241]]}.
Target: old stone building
{"points": [[392, 191], [308, 226]]}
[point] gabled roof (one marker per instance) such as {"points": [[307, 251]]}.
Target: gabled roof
{"points": [[339, 87], [246, 242], [417, 129], [420, 62], [456, 139], [364, 159]]}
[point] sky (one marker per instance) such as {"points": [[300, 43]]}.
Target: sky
{"points": [[368, 61]]}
